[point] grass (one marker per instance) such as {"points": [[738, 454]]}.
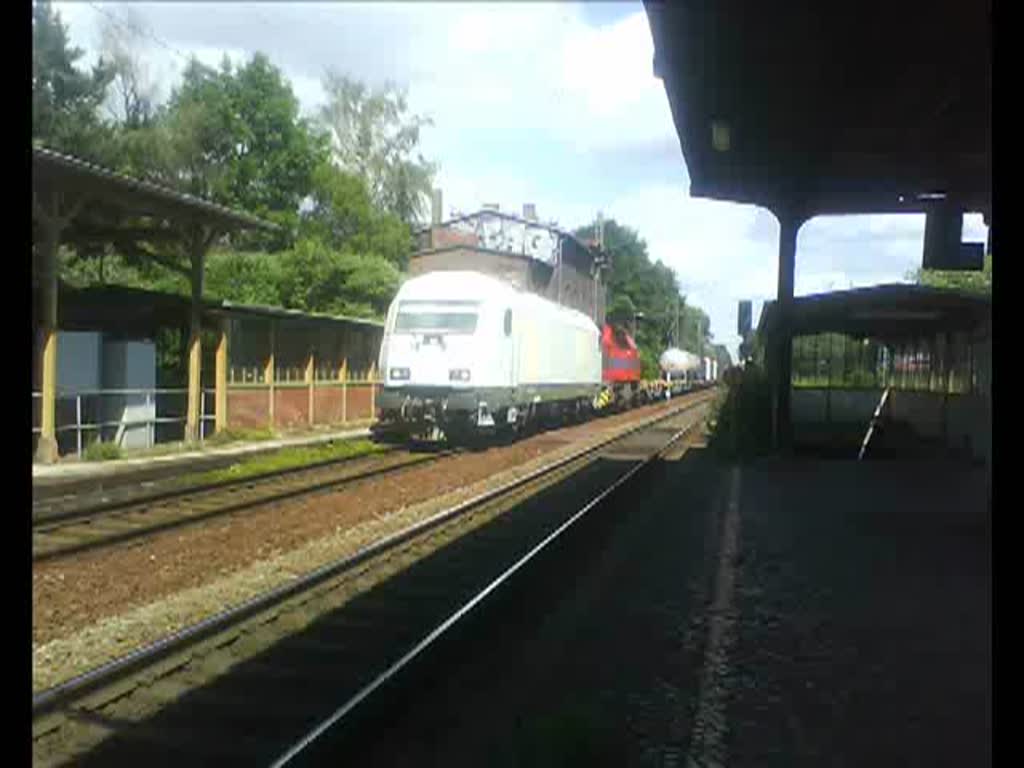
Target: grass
{"points": [[101, 451], [237, 434], [289, 458]]}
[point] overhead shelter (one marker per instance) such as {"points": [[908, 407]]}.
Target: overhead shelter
{"points": [[263, 367], [74, 201], [812, 109], [922, 354], [882, 311]]}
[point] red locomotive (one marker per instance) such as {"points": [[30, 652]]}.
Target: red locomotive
{"points": [[620, 368]]}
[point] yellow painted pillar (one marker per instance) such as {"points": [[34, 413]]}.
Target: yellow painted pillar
{"points": [[46, 450], [373, 390], [195, 358], [221, 381], [310, 382], [268, 373], [343, 375], [52, 220]]}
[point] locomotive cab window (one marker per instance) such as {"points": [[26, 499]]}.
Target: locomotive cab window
{"points": [[448, 317], [508, 322]]}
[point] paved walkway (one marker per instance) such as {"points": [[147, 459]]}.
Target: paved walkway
{"points": [[858, 624], [78, 472], [784, 613]]}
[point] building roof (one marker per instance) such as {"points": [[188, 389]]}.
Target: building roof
{"points": [[883, 311], [835, 107], [138, 311], [77, 178], [496, 214]]}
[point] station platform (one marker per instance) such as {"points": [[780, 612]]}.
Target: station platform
{"points": [[787, 612], [862, 607], [50, 480]]}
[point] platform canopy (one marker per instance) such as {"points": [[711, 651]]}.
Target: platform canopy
{"points": [[80, 203], [883, 311], [104, 197], [830, 108]]}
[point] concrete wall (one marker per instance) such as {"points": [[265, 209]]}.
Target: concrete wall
{"points": [[963, 421], [79, 360], [129, 365]]}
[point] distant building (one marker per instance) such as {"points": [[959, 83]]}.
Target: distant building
{"points": [[525, 252]]}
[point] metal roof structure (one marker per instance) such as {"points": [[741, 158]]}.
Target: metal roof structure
{"points": [[136, 310], [104, 191], [882, 311], [830, 108]]}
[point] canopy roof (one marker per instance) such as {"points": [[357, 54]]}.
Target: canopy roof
{"points": [[106, 197], [883, 311], [830, 107]]}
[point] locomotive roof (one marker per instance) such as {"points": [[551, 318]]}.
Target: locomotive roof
{"points": [[466, 284]]}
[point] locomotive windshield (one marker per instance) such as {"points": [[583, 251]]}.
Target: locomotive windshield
{"points": [[436, 317]]}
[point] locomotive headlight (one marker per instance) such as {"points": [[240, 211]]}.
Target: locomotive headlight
{"points": [[400, 374], [458, 374]]}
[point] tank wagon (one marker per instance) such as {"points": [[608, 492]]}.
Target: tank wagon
{"points": [[467, 354], [681, 368]]}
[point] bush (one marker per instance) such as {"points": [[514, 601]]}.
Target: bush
{"points": [[100, 451], [742, 417]]}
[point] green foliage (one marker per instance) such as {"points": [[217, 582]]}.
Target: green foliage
{"points": [[373, 137], [101, 451], [315, 278], [246, 278], [286, 458], [344, 217], [234, 134], [132, 97], [66, 100], [972, 282], [741, 417], [235, 435], [621, 311], [635, 284]]}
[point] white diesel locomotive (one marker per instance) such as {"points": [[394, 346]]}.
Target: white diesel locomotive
{"points": [[467, 354]]}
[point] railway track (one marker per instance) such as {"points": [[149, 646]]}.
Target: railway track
{"points": [[59, 534], [266, 678]]}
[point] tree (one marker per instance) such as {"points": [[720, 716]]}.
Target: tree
{"points": [[66, 100], [343, 216], [621, 311], [649, 288], [243, 277], [234, 136], [315, 278], [373, 137], [972, 282], [132, 100]]}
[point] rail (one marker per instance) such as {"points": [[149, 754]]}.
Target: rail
{"points": [[466, 608], [65, 693]]}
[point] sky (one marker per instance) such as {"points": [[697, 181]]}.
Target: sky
{"points": [[550, 103]]}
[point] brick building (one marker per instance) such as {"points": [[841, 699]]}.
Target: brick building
{"points": [[533, 256]]}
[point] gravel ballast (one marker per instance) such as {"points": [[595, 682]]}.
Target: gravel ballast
{"points": [[91, 608]]}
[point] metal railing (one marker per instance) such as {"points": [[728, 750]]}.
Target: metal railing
{"points": [[89, 420]]}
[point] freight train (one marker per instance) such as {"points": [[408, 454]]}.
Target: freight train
{"points": [[465, 355]]}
